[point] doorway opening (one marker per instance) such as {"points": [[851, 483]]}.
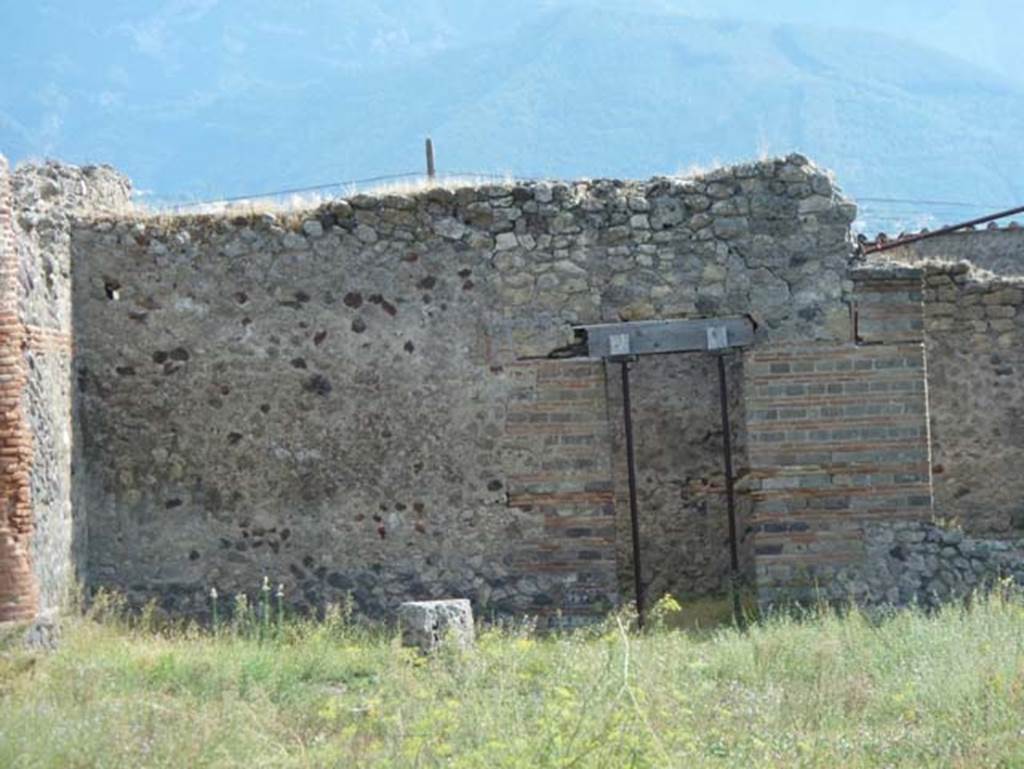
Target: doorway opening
{"points": [[675, 408]]}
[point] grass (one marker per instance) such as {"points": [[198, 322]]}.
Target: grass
{"points": [[914, 690]]}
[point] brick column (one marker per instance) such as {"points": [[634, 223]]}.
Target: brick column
{"points": [[838, 437], [18, 589], [562, 486]]}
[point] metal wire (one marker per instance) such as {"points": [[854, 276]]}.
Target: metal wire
{"points": [[867, 204]]}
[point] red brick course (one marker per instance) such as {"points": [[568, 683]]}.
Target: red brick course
{"points": [[838, 436], [18, 592], [561, 420]]}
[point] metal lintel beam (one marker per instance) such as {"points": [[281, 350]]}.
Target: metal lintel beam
{"points": [[651, 337]]}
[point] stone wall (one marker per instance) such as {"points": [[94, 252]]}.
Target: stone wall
{"points": [[359, 399], [999, 250], [918, 563], [972, 286], [348, 399], [35, 355], [968, 320], [974, 324]]}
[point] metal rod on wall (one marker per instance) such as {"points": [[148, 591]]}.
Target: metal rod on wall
{"points": [[634, 516], [730, 494]]}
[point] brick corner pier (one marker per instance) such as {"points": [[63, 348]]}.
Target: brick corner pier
{"points": [[19, 595]]}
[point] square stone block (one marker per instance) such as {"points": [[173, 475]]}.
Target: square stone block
{"points": [[428, 624]]}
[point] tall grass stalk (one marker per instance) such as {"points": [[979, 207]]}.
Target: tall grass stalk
{"points": [[279, 595], [264, 618], [214, 611]]}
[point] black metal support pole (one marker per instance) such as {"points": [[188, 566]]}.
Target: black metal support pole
{"points": [[730, 494], [634, 516]]}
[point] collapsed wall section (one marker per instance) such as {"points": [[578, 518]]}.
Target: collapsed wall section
{"points": [[344, 400]]}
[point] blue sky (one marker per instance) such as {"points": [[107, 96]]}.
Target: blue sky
{"points": [[162, 87]]}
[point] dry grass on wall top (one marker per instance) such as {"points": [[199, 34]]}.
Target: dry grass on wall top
{"points": [[916, 690]]}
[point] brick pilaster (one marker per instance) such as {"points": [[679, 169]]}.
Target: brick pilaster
{"points": [[18, 589], [557, 423], [838, 437]]}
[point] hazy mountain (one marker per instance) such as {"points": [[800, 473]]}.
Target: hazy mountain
{"points": [[206, 99]]}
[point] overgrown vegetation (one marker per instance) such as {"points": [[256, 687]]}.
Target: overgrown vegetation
{"points": [[826, 690]]}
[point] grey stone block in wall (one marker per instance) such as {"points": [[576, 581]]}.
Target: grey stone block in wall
{"points": [[429, 624]]}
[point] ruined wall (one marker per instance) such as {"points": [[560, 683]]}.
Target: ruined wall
{"points": [[917, 563], [970, 321], [357, 399], [889, 538], [975, 335], [999, 250], [343, 400], [38, 444]]}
